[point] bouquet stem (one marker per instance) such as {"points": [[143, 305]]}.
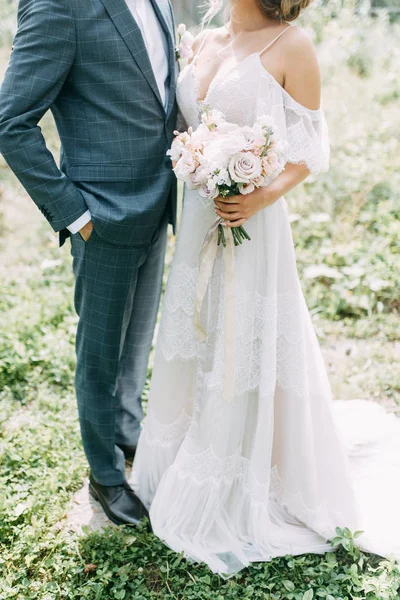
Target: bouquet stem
{"points": [[239, 234]]}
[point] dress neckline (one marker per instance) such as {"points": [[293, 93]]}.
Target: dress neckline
{"points": [[215, 79], [229, 69], [201, 102]]}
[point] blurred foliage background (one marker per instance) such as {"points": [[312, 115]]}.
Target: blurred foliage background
{"points": [[346, 227]]}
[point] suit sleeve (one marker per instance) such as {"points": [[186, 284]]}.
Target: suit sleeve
{"points": [[41, 59]]}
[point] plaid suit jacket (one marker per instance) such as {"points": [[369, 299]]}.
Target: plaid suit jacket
{"points": [[86, 61]]}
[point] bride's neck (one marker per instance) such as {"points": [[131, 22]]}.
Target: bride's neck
{"points": [[246, 15]]}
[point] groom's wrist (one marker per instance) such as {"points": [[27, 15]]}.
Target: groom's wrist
{"points": [[80, 222]]}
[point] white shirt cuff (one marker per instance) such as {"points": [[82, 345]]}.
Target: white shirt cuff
{"points": [[79, 223]]}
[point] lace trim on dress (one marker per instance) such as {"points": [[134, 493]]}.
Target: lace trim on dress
{"points": [[166, 434], [207, 470], [270, 337], [304, 129], [290, 103]]}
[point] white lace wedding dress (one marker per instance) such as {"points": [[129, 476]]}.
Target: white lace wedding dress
{"points": [[274, 471]]}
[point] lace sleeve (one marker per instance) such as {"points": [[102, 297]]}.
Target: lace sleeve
{"points": [[307, 136]]}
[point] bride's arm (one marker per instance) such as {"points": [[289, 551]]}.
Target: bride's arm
{"points": [[302, 82]]}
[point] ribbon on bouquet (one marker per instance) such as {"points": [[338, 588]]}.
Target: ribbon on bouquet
{"points": [[208, 255]]}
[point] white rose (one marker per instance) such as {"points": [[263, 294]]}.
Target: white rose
{"points": [[220, 149], [201, 176], [249, 136], [201, 135], [185, 166], [244, 166], [181, 29], [178, 145], [191, 182], [176, 150], [215, 156], [187, 39], [224, 128]]}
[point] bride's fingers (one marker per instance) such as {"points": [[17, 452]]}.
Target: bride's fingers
{"points": [[228, 199], [231, 200], [229, 216], [231, 224], [227, 206]]}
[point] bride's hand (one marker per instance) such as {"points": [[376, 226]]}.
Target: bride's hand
{"points": [[236, 210]]}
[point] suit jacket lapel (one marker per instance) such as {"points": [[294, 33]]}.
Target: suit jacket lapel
{"points": [[132, 36]]}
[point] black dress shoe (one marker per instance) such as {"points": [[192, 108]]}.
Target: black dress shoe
{"points": [[119, 502], [129, 451]]}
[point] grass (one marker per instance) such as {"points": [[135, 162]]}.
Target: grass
{"points": [[346, 232]]}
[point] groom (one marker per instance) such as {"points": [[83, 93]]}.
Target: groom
{"points": [[106, 69]]}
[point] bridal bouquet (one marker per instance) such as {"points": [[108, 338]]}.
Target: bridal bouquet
{"points": [[224, 159]]}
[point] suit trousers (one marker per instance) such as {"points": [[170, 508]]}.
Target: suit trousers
{"points": [[117, 295]]}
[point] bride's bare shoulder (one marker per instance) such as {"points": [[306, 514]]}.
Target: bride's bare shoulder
{"points": [[294, 46], [302, 76], [298, 43]]}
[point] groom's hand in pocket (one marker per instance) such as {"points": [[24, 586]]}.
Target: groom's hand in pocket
{"points": [[86, 231]]}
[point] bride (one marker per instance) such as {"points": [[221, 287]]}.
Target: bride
{"points": [[277, 468]]}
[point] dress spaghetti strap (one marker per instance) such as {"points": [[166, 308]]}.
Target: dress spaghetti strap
{"points": [[274, 40]]}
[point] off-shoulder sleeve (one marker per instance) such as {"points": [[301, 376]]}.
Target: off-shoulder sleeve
{"points": [[307, 136]]}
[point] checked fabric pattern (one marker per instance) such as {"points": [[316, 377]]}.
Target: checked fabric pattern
{"points": [[87, 63]]}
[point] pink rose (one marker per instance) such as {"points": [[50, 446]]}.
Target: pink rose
{"points": [[244, 166], [208, 190], [247, 188], [259, 181]]}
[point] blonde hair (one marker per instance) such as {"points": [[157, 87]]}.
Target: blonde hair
{"points": [[281, 10]]}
